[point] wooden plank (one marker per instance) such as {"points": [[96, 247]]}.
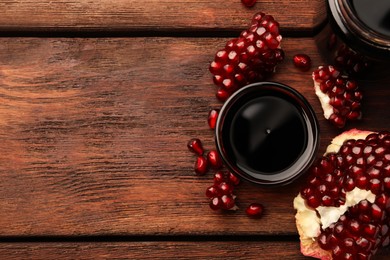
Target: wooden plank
{"points": [[153, 15], [93, 137], [159, 250]]}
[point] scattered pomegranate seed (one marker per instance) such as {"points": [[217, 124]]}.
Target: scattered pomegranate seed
{"points": [[195, 146], [248, 3], [302, 61], [212, 118], [255, 210], [201, 165], [214, 159]]}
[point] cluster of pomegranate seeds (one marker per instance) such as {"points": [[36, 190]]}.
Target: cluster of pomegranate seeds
{"points": [[359, 163], [360, 232], [221, 192], [341, 95], [302, 61], [212, 118], [249, 58], [350, 61], [363, 228], [248, 3]]}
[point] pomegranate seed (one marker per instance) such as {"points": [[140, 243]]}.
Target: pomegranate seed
{"points": [[227, 202], [233, 179], [212, 118], [302, 61], [222, 94], [212, 191], [214, 159], [201, 165], [225, 188], [255, 210], [215, 203], [248, 3], [195, 146]]}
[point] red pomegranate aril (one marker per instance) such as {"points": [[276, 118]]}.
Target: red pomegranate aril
{"points": [[219, 177], [225, 188], [212, 191], [201, 165], [302, 61], [212, 118], [222, 94], [232, 178], [215, 203], [255, 210], [195, 146], [214, 159], [248, 3], [227, 202]]}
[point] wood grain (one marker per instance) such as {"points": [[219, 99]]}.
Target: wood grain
{"points": [[159, 250], [153, 15], [93, 137]]}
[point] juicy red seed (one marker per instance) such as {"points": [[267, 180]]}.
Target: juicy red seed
{"points": [[222, 94], [215, 203], [212, 191], [212, 118], [255, 210], [302, 61], [225, 188], [227, 202], [195, 146], [219, 177], [323, 241], [313, 202], [201, 165], [233, 179], [214, 159], [248, 3]]}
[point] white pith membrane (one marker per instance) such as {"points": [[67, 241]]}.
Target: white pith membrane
{"points": [[309, 221], [324, 100]]}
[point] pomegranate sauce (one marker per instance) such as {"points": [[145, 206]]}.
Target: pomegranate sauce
{"points": [[267, 133]]}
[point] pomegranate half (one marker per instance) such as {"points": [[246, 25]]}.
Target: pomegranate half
{"points": [[343, 210]]}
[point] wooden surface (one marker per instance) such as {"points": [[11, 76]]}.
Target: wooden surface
{"points": [[153, 15], [93, 134]]}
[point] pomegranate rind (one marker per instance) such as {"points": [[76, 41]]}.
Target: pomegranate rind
{"points": [[309, 228], [338, 141]]}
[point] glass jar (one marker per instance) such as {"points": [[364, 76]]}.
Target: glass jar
{"points": [[267, 133], [356, 35]]}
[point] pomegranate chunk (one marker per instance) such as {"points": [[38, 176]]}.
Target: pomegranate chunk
{"points": [[340, 96], [345, 212], [251, 57]]}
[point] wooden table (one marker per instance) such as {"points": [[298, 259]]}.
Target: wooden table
{"points": [[97, 102]]}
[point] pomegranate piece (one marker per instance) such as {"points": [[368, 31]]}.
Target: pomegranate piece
{"points": [[350, 61], [201, 165], [340, 96], [195, 146], [251, 57], [302, 61], [212, 118], [255, 210], [248, 3], [343, 210], [214, 159]]}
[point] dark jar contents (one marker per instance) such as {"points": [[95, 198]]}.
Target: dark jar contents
{"points": [[267, 133], [356, 37]]}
